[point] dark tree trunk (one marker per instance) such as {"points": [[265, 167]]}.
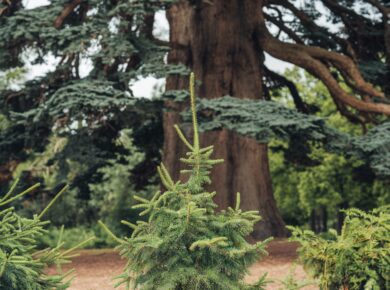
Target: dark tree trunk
{"points": [[219, 43], [313, 221], [324, 219], [341, 216]]}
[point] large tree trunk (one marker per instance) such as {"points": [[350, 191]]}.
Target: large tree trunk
{"points": [[219, 43]]}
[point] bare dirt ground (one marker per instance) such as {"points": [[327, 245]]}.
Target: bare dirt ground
{"points": [[94, 269]]}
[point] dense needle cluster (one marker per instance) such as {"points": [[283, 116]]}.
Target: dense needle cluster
{"points": [[22, 266], [185, 243], [357, 258]]}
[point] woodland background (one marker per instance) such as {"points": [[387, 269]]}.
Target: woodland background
{"points": [[301, 144]]}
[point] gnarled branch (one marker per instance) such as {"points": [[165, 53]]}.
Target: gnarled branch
{"points": [[65, 12], [313, 59], [283, 28], [312, 26], [283, 81]]}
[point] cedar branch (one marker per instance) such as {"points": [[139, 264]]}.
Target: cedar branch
{"points": [[65, 13], [313, 58]]}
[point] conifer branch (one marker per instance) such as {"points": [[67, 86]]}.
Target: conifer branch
{"points": [[110, 233], [53, 201], [79, 245], [220, 241], [193, 109], [28, 190], [183, 138], [165, 177], [129, 224], [11, 190], [238, 201]]}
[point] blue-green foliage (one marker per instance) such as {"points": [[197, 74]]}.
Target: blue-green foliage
{"points": [[374, 147], [87, 108], [266, 120], [261, 120], [77, 101]]}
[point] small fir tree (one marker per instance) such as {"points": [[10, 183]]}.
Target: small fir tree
{"points": [[185, 243], [22, 267]]}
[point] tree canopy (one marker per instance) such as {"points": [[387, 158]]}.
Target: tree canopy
{"points": [[344, 44]]}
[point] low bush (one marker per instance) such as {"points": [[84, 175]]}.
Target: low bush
{"points": [[357, 258]]}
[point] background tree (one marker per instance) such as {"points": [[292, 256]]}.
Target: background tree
{"points": [[224, 43], [329, 181], [342, 43]]}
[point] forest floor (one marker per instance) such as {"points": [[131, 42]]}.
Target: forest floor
{"points": [[94, 269]]}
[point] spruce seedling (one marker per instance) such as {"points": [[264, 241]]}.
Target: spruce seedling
{"points": [[22, 267], [185, 244]]}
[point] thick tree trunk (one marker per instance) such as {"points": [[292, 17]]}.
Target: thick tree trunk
{"points": [[219, 43]]}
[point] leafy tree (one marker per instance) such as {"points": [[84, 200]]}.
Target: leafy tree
{"points": [[331, 181], [185, 243]]}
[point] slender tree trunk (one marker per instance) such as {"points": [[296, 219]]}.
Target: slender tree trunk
{"points": [[341, 216], [324, 219], [219, 43], [313, 221]]}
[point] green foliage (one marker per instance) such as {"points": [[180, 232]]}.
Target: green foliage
{"points": [[185, 243], [291, 283], [261, 120], [375, 148], [11, 78], [72, 237], [77, 101], [265, 121], [334, 179], [22, 267], [86, 109], [80, 153], [358, 258], [111, 196], [4, 123]]}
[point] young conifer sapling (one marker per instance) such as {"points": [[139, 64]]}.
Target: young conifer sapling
{"points": [[184, 243], [22, 266]]}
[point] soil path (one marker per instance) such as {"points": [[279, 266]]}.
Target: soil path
{"points": [[94, 269]]}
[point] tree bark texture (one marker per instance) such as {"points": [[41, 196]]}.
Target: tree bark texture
{"points": [[218, 42]]}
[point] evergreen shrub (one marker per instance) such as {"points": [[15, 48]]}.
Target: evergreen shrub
{"points": [[357, 258], [185, 243]]}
